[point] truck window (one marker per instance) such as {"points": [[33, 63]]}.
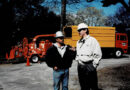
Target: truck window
{"points": [[123, 38], [68, 32], [118, 37]]}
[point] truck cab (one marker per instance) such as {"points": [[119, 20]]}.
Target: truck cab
{"points": [[121, 44]]}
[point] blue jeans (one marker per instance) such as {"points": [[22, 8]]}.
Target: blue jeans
{"points": [[61, 76]]}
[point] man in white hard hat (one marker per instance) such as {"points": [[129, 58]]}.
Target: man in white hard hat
{"points": [[88, 56], [59, 57]]}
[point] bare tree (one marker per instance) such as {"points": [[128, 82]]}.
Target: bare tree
{"points": [[89, 15], [55, 4]]}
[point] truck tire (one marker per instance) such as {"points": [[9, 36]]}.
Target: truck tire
{"points": [[35, 58], [118, 53]]}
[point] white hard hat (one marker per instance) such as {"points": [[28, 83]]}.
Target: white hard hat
{"points": [[59, 34], [82, 26]]}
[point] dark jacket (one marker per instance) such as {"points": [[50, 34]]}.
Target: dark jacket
{"points": [[53, 58]]}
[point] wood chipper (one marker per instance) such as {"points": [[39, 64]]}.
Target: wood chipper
{"points": [[34, 50], [38, 47]]}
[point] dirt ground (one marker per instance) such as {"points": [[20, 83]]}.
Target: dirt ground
{"points": [[115, 78], [113, 74]]}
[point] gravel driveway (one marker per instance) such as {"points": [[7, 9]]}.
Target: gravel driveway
{"points": [[39, 76]]}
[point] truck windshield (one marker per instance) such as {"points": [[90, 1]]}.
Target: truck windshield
{"points": [[123, 38]]}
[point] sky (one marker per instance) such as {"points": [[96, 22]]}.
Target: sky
{"points": [[110, 10], [107, 10]]}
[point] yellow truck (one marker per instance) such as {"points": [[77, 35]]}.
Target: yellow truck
{"points": [[110, 41]]}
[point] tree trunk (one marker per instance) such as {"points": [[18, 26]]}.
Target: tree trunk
{"points": [[63, 14]]}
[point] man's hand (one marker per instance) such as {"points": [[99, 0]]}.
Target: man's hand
{"points": [[72, 48], [55, 68], [95, 65]]}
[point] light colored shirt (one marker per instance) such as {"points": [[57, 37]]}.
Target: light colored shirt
{"points": [[61, 49], [88, 49]]}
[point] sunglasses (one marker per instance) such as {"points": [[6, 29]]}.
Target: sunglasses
{"points": [[81, 29], [61, 37]]}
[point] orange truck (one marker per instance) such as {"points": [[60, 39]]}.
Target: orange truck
{"points": [[110, 41], [34, 49]]}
